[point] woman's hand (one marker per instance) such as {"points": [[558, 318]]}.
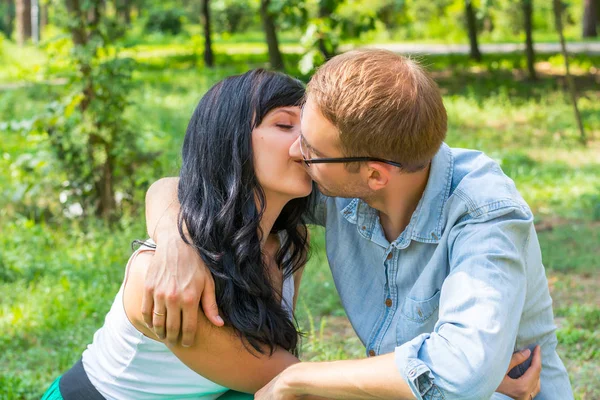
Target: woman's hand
{"points": [[527, 386]]}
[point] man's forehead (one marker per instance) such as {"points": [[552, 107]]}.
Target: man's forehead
{"points": [[317, 131]]}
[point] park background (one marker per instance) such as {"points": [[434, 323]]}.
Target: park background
{"points": [[95, 96]]}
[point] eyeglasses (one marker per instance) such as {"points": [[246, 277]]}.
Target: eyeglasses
{"points": [[306, 151]]}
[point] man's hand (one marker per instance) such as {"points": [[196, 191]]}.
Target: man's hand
{"points": [[527, 386], [277, 390], [177, 281], [274, 390]]}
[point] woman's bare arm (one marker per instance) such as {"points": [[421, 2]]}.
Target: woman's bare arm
{"points": [[217, 353]]}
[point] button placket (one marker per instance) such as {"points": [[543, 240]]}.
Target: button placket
{"points": [[390, 271]]}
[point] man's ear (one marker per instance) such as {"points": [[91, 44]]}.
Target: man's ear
{"points": [[378, 175]]}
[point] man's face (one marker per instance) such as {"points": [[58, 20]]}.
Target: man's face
{"points": [[319, 138]]}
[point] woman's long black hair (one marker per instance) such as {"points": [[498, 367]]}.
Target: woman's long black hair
{"points": [[222, 204]]}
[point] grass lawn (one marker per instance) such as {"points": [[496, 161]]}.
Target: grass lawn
{"points": [[60, 277]]}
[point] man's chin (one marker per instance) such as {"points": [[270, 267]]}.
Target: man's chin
{"points": [[332, 192], [325, 191]]}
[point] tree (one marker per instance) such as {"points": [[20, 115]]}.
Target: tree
{"points": [[591, 15], [527, 17], [35, 21], [557, 6], [43, 16], [23, 21], [472, 29], [7, 8], [326, 9], [275, 58], [92, 142], [209, 58], [123, 8]]}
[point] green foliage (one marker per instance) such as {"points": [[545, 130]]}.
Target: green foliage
{"points": [[62, 273], [84, 141], [164, 20], [233, 16], [333, 23], [579, 334]]}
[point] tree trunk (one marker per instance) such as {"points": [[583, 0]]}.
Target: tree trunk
{"points": [[325, 11], [527, 14], [43, 16], [275, 57], [23, 21], [8, 18], [35, 21], [105, 187], [209, 58], [472, 29], [571, 85], [95, 11], [590, 18], [124, 10]]}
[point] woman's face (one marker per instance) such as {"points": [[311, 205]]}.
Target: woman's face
{"points": [[277, 172]]}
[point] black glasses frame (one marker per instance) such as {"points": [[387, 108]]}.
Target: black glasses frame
{"points": [[335, 160], [309, 161]]}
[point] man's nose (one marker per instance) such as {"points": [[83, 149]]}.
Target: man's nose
{"points": [[295, 152]]}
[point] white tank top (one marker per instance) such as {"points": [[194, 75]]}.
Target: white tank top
{"points": [[123, 364]]}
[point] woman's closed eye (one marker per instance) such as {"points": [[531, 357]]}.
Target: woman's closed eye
{"points": [[284, 126]]}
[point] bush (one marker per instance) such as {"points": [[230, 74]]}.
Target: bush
{"points": [[164, 21]]}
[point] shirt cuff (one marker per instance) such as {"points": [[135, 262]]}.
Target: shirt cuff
{"points": [[415, 372]]}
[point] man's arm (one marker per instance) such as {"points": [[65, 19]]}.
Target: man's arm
{"points": [[177, 281], [370, 378], [467, 354], [378, 378]]}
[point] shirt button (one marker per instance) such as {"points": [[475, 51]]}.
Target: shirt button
{"points": [[371, 353], [389, 256], [412, 373], [364, 228], [388, 302]]}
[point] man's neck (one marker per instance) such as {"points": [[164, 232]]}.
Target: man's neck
{"points": [[398, 201]]}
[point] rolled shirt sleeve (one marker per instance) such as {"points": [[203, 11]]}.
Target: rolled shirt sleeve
{"points": [[467, 354]]}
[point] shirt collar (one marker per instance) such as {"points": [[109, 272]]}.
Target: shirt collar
{"points": [[427, 222]]}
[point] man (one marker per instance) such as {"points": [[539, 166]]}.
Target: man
{"points": [[433, 251]]}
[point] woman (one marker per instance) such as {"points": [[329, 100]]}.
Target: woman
{"points": [[242, 200]]}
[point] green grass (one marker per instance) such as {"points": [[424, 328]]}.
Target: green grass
{"points": [[61, 276]]}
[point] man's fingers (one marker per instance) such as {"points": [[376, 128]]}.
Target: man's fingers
{"points": [[159, 315], [148, 305], [189, 323], [534, 370], [209, 303], [519, 358], [173, 318]]}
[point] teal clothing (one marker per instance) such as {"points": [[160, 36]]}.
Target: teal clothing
{"points": [[53, 392], [233, 395]]}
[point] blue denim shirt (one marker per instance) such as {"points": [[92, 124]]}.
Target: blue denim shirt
{"points": [[458, 291]]}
